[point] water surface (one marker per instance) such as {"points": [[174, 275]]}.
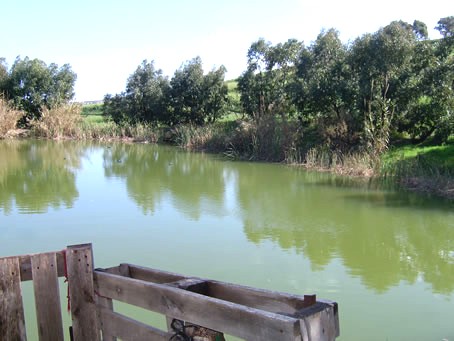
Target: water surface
{"points": [[387, 257]]}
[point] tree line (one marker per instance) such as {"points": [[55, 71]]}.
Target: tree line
{"points": [[394, 83], [190, 96]]}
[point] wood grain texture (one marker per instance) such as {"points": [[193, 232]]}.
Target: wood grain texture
{"points": [[47, 296], [128, 329], [234, 319], [81, 291], [12, 324], [103, 304]]}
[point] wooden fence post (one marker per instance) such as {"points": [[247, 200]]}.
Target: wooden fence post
{"points": [[47, 296], [79, 260], [12, 323]]}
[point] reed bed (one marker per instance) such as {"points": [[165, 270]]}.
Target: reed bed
{"points": [[8, 118]]}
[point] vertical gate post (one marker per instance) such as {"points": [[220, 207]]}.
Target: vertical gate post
{"points": [[47, 296], [79, 260], [12, 323]]}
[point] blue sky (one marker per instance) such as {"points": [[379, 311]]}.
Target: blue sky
{"points": [[105, 41]]}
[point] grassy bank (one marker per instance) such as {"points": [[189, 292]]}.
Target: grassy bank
{"points": [[428, 169]]}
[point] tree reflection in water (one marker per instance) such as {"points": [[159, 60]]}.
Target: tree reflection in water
{"points": [[36, 175], [383, 237]]}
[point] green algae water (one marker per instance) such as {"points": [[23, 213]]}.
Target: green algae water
{"points": [[386, 256]]}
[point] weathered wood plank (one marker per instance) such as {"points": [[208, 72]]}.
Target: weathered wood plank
{"points": [[272, 301], [26, 268], [106, 304], [47, 296], [128, 329], [191, 284], [268, 300], [153, 275], [12, 325], [234, 319], [319, 322], [81, 291]]}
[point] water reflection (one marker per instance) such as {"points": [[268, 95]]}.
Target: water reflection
{"points": [[382, 237], [37, 175], [381, 245], [154, 174]]}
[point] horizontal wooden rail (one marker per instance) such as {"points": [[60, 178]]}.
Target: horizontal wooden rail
{"points": [[126, 328], [25, 265], [234, 319], [246, 312]]}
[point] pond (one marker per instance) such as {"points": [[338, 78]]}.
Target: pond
{"points": [[386, 256]]}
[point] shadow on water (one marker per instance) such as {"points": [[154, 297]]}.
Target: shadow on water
{"points": [[381, 192]]}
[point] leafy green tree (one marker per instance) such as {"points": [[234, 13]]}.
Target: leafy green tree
{"points": [[195, 97], [117, 108], [446, 26], [380, 60], [266, 86], [254, 84], [32, 85], [328, 90], [145, 91], [427, 95], [215, 93], [186, 92], [420, 29]]}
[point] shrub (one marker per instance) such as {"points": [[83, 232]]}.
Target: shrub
{"points": [[58, 122]]}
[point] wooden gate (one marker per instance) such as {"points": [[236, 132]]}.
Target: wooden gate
{"points": [[187, 302]]}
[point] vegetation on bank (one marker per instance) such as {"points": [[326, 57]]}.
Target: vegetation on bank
{"points": [[328, 105]]}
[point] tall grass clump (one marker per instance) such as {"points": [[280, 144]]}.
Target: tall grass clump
{"points": [[58, 122], [193, 137], [109, 130], [8, 117], [349, 163]]}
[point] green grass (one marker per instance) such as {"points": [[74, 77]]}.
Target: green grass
{"points": [[437, 156], [232, 85], [92, 109], [94, 119], [92, 114]]}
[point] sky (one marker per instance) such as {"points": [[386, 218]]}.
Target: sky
{"points": [[104, 41]]}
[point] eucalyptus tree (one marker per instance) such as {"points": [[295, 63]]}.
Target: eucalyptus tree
{"points": [[215, 94], [31, 85], [328, 90], [380, 62], [185, 93], [252, 84], [427, 95], [266, 85], [145, 91], [446, 26], [420, 30], [195, 97]]}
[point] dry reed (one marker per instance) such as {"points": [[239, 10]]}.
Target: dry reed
{"points": [[8, 118]]}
